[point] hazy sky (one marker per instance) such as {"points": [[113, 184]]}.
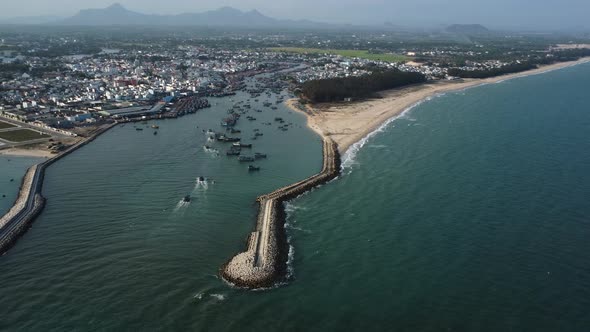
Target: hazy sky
{"points": [[496, 13]]}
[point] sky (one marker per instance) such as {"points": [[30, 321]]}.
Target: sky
{"points": [[551, 14]]}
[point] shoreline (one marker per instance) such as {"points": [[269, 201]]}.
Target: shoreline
{"points": [[19, 152], [30, 201], [348, 124]]}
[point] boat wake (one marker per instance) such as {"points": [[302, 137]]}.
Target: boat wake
{"points": [[182, 204], [201, 184]]}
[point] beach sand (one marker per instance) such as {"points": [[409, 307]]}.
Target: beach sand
{"points": [[348, 123], [40, 153]]}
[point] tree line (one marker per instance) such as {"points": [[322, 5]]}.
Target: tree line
{"points": [[531, 63], [357, 87], [509, 69]]}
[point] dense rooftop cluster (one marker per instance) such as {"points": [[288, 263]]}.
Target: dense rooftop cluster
{"points": [[71, 79]]}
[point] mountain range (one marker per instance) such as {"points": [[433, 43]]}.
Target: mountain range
{"points": [[116, 14]]}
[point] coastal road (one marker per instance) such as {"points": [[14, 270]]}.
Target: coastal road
{"points": [[264, 232], [24, 125]]}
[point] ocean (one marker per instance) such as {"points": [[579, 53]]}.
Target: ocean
{"points": [[467, 213], [12, 171]]}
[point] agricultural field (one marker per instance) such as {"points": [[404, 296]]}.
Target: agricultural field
{"points": [[21, 135], [363, 54], [5, 125]]}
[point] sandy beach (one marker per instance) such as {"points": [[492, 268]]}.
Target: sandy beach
{"points": [[349, 123], [26, 153]]}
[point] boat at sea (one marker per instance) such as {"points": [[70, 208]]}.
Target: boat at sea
{"points": [[252, 168], [223, 138], [233, 151], [186, 198], [209, 149], [246, 158], [259, 155], [139, 129], [155, 127], [241, 145]]}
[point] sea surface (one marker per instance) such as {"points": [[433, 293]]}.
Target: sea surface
{"points": [[12, 171], [468, 213]]}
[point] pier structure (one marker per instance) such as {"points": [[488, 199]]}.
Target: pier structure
{"points": [[265, 260], [30, 200]]}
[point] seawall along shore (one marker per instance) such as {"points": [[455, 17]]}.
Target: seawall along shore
{"points": [[264, 263], [30, 201]]}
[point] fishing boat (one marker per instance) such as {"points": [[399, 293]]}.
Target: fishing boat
{"points": [[258, 155], [186, 198], [233, 152], [245, 158], [252, 168], [241, 145], [155, 127]]}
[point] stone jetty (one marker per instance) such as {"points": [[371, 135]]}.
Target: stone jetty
{"points": [[265, 260], [30, 201]]}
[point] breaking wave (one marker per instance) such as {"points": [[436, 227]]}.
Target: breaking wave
{"points": [[349, 157]]}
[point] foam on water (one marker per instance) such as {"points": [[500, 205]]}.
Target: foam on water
{"points": [[204, 185], [349, 157], [181, 206], [290, 258], [290, 207]]}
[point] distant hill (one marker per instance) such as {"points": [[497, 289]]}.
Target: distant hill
{"points": [[116, 14], [467, 29]]}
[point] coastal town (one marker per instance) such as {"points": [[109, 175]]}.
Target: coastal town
{"points": [[67, 87], [294, 166]]}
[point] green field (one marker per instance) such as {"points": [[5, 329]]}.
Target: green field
{"points": [[388, 57], [4, 125], [21, 135]]}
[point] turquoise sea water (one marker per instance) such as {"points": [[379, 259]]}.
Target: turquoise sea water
{"points": [[469, 213], [12, 168]]}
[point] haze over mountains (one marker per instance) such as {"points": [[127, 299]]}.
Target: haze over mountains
{"points": [[116, 14]]}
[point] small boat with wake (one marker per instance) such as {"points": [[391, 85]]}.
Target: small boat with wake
{"points": [[187, 198], [207, 148]]}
